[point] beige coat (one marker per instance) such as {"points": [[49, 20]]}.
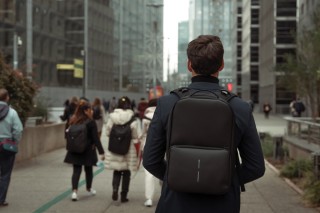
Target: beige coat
{"points": [[145, 124], [122, 162]]}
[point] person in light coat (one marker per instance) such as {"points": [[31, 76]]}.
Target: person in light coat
{"points": [[122, 165], [149, 178], [10, 128]]}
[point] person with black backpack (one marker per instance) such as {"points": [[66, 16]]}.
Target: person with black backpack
{"points": [[82, 143], [121, 157], [195, 136]]}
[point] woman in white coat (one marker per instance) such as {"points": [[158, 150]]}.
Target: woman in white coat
{"points": [[122, 165], [149, 178]]}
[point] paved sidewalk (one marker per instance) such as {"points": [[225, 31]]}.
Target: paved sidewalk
{"points": [[43, 185]]}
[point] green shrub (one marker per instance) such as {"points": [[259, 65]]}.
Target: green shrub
{"points": [[267, 148], [40, 108], [20, 88], [296, 168], [312, 189]]}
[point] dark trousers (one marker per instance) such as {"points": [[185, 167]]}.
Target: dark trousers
{"points": [[125, 180], [6, 166], [77, 173]]}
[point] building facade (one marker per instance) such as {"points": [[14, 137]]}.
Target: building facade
{"points": [[277, 38], [213, 17], [119, 47], [250, 50]]}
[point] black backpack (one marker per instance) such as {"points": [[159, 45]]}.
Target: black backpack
{"points": [[120, 138], [77, 138], [201, 152]]}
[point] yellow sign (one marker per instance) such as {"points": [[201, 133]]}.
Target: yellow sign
{"points": [[78, 68], [65, 66]]}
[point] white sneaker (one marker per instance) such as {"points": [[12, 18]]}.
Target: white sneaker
{"points": [[74, 196], [92, 192], [148, 203]]}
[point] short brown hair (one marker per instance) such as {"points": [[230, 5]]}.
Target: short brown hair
{"points": [[3, 94], [205, 54]]}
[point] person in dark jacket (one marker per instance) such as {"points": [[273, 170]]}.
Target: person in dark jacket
{"points": [[89, 157], [69, 109], [205, 61]]}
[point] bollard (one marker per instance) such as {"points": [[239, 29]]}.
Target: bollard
{"points": [[316, 164], [278, 152], [262, 136]]}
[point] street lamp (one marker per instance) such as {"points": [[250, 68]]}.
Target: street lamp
{"points": [[16, 43], [155, 34]]}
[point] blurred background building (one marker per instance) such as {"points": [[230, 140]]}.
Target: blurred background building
{"points": [[119, 45], [63, 40]]}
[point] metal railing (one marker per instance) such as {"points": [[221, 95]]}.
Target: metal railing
{"points": [[304, 128]]}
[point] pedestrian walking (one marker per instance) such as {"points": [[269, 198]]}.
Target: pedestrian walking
{"points": [[296, 107], [122, 164], [143, 104], [98, 114], [69, 110], [205, 61], [150, 180], [88, 158], [112, 104], [266, 109], [10, 129]]}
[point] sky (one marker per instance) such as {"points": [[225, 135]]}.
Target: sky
{"points": [[174, 11]]}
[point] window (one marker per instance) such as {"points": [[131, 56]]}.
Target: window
{"points": [[286, 8], [286, 31], [239, 36], [254, 73], [239, 22], [239, 64], [254, 54], [281, 53], [239, 79], [254, 35], [254, 90], [254, 16], [239, 51]]}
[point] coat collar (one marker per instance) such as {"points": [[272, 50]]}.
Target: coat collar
{"points": [[205, 82]]}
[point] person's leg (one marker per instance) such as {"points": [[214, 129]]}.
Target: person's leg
{"points": [[149, 188], [75, 181], [115, 184], [76, 176], [149, 185], [125, 185], [6, 166], [89, 176]]}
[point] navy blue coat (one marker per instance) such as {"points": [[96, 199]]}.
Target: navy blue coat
{"points": [[246, 138]]}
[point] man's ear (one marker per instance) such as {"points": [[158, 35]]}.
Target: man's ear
{"points": [[189, 66], [222, 66]]}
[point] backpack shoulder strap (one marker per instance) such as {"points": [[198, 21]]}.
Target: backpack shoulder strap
{"points": [[225, 95], [181, 92], [130, 121]]}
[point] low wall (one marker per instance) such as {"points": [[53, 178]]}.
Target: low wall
{"points": [[40, 139], [299, 148]]}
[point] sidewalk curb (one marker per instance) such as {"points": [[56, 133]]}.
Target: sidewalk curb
{"points": [[288, 181]]}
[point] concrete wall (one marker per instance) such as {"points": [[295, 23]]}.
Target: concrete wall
{"points": [[40, 139]]}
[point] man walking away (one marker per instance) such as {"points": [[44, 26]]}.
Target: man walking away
{"points": [[205, 61], [10, 128]]}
